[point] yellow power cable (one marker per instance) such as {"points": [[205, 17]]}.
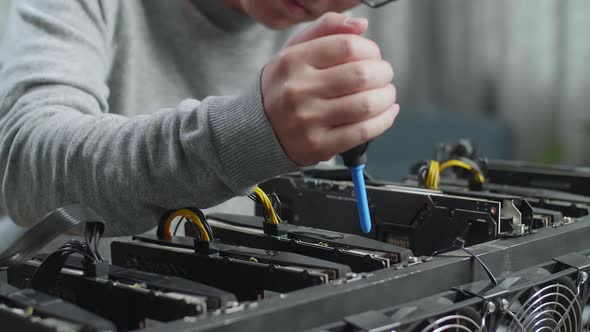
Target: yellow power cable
{"points": [[458, 163], [189, 215], [432, 178], [433, 175], [266, 203]]}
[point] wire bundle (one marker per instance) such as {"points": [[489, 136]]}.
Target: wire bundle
{"points": [[261, 197], [195, 216], [46, 275], [88, 249], [80, 248], [44, 231], [430, 174]]}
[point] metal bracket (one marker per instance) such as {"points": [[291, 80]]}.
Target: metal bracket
{"points": [[574, 260], [369, 321]]}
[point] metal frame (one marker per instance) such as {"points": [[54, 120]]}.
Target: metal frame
{"points": [[311, 307], [491, 304], [570, 179]]}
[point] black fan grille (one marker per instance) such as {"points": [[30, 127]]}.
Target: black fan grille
{"points": [[551, 307], [456, 322]]}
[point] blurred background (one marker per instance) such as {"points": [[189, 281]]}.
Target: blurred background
{"points": [[512, 75]]}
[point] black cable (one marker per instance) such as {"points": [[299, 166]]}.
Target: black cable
{"points": [[89, 236], [44, 231], [422, 171], [96, 242], [47, 274], [88, 249], [204, 222], [257, 201], [67, 252], [79, 249], [94, 233], [276, 204], [460, 244], [75, 244], [178, 223], [471, 163], [485, 267], [199, 220], [182, 221], [55, 223]]}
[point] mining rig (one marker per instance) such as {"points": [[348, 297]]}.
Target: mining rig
{"points": [[461, 244]]}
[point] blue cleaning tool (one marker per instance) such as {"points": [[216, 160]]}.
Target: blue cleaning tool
{"points": [[355, 159]]}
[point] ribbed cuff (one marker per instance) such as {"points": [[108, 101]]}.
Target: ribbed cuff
{"points": [[248, 148]]}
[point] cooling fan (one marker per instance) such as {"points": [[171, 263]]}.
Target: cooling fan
{"points": [[447, 312], [548, 297], [556, 305], [464, 319], [536, 300]]}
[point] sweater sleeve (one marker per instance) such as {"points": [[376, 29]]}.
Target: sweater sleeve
{"points": [[59, 144]]}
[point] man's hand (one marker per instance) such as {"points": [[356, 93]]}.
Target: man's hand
{"points": [[328, 90]]}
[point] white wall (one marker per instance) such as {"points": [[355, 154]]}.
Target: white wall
{"points": [[525, 61], [4, 5]]}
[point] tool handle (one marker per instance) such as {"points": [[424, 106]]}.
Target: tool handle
{"points": [[355, 156]]}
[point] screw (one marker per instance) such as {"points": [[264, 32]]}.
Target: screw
{"points": [[490, 307], [568, 220], [583, 277], [505, 304]]}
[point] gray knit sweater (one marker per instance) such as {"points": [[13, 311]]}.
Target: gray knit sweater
{"points": [[99, 104]]}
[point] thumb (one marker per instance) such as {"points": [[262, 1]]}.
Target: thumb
{"points": [[330, 24]]}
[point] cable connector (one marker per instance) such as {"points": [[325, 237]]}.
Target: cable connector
{"points": [[205, 247], [95, 269], [272, 229]]}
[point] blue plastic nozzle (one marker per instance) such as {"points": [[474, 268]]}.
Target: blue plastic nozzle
{"points": [[361, 197], [355, 160]]}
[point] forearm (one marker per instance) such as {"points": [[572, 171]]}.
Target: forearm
{"points": [[59, 144], [130, 170]]}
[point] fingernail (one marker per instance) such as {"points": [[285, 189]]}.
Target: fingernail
{"points": [[356, 22]]}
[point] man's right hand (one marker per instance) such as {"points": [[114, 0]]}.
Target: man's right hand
{"points": [[328, 90]]}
